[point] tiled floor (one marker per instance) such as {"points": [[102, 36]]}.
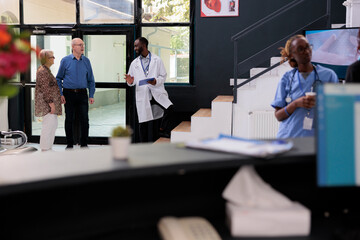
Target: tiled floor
{"points": [[102, 120], [56, 147]]}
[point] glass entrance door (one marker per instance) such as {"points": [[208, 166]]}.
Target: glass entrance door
{"points": [[109, 55], [61, 46]]}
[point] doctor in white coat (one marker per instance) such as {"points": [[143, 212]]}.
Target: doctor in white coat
{"points": [[148, 74]]}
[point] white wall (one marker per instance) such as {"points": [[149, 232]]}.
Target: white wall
{"points": [[352, 13]]}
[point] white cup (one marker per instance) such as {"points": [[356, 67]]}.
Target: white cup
{"points": [[310, 94]]}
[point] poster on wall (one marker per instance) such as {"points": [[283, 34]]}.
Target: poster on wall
{"points": [[219, 8]]}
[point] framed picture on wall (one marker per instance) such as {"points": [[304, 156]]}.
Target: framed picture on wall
{"points": [[219, 8]]}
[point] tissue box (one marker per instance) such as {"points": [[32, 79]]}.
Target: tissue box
{"points": [[268, 222]]}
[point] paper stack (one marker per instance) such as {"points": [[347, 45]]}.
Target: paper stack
{"points": [[255, 209]]}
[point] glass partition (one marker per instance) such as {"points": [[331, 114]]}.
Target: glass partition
{"points": [[60, 45], [166, 11], [9, 11], [108, 111], [49, 12], [107, 54], [109, 11], [171, 44]]}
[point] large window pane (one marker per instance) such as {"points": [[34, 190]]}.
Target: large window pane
{"points": [[107, 11], [166, 11], [49, 12], [9, 11], [171, 44], [107, 112], [60, 45], [107, 54]]}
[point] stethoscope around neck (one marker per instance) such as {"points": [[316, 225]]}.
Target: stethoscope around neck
{"points": [[288, 98]]}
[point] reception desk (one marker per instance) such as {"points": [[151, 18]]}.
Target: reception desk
{"points": [[85, 194]]}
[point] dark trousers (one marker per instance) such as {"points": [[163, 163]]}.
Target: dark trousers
{"points": [[76, 102], [165, 121], [149, 131]]}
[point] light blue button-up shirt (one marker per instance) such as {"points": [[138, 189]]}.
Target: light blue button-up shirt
{"points": [[75, 74]]}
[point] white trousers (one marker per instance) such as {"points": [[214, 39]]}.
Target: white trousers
{"points": [[48, 129]]}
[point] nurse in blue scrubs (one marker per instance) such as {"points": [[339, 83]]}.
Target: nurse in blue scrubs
{"points": [[293, 108]]}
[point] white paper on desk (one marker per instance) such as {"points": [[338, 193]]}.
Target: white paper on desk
{"points": [[255, 148]]}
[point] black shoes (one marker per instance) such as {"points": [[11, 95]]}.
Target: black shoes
{"points": [[69, 147]]}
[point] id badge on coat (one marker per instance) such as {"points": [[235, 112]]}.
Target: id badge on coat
{"points": [[308, 122]]}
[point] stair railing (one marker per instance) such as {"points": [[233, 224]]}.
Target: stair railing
{"points": [[251, 61]]}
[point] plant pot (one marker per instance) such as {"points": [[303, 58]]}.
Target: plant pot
{"points": [[120, 147]]}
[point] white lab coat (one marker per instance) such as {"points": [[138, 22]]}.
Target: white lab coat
{"points": [[145, 92]]}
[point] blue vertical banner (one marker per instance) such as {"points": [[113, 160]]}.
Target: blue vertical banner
{"points": [[321, 137], [336, 135]]}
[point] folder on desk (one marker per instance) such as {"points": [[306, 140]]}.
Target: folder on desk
{"points": [[145, 81], [250, 147]]}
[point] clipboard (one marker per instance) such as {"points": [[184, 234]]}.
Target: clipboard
{"points": [[145, 81]]}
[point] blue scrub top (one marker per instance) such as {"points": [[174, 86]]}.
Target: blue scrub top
{"points": [[293, 125]]}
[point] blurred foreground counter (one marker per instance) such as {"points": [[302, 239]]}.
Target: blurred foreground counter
{"points": [[85, 194]]}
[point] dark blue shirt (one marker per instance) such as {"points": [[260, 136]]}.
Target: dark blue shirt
{"points": [[74, 74]]}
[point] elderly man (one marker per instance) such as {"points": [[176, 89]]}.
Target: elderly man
{"points": [[75, 75], [148, 74]]}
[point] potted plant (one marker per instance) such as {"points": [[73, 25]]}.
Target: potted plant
{"points": [[120, 141]]}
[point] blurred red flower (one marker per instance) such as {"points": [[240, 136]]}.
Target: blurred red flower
{"points": [[15, 57], [5, 37]]}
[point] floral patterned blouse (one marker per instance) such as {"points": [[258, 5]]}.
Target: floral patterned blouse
{"points": [[46, 91]]}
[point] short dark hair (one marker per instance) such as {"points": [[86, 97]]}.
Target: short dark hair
{"points": [[143, 41]]}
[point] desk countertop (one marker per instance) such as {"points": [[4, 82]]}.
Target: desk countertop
{"points": [[46, 169]]}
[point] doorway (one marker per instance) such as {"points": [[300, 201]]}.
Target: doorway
{"points": [[110, 56]]}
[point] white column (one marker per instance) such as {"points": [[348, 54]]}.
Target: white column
{"points": [[4, 123], [352, 13]]}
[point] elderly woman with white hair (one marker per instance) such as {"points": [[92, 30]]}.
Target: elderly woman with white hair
{"points": [[47, 100]]}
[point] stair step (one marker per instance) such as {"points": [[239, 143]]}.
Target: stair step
{"points": [[223, 98], [203, 112], [184, 126], [162, 140], [275, 60]]}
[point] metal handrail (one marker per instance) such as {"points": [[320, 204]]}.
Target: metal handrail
{"points": [[260, 52], [258, 75], [259, 23], [266, 19]]}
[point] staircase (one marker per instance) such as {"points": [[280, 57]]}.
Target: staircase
{"points": [[253, 115], [206, 122]]}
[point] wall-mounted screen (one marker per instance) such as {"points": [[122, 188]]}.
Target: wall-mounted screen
{"points": [[334, 48]]}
